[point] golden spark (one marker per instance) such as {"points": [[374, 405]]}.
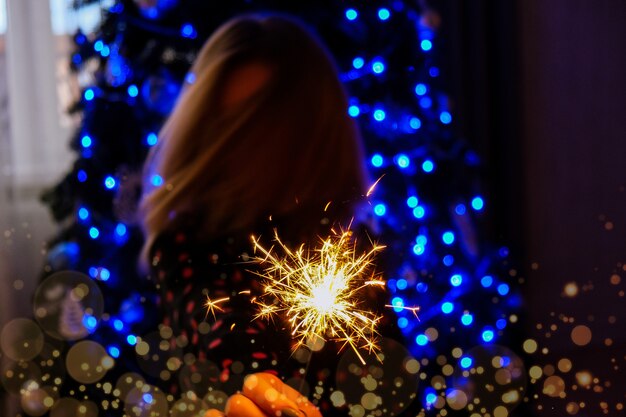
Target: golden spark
{"points": [[413, 310], [212, 305], [321, 291]]}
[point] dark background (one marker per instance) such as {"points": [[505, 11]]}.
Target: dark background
{"points": [[540, 92]]}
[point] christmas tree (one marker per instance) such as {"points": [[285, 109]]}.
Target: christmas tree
{"points": [[429, 199]]}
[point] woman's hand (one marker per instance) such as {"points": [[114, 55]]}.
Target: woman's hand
{"points": [[265, 395]]}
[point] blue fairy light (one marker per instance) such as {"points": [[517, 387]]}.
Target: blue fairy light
{"points": [[418, 249], [421, 239], [152, 139], [428, 166], [488, 335], [380, 209], [358, 62], [190, 78], [448, 237], [86, 141], [421, 89], [77, 59], [82, 176], [412, 201], [90, 322], [378, 67], [415, 123], [486, 281], [354, 110], [114, 351], [448, 260], [501, 324], [147, 398], [460, 209], [421, 287], [377, 160], [421, 339], [426, 45], [403, 322], [419, 212], [403, 160], [351, 14], [447, 307], [105, 274], [156, 180], [467, 319], [120, 229], [94, 232], [83, 213], [445, 117], [93, 272], [503, 289], [433, 72], [401, 284], [131, 339], [466, 362], [118, 325], [109, 182], [89, 94], [478, 203], [426, 102], [456, 280], [188, 31], [133, 91], [431, 398], [383, 14], [106, 51], [503, 252], [379, 115], [98, 45], [397, 304]]}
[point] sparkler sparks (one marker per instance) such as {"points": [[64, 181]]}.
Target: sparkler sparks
{"points": [[321, 291], [212, 305]]}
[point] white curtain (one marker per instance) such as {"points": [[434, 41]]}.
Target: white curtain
{"points": [[38, 142]]}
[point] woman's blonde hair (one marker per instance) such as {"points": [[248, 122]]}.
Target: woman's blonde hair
{"points": [[290, 144]]}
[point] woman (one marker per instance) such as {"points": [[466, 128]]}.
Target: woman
{"points": [[260, 138]]}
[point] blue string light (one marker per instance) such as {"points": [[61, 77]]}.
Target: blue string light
{"points": [[426, 45], [418, 249], [83, 213], [456, 280], [358, 62], [106, 51], [448, 237], [421, 89], [105, 274], [466, 362], [380, 209], [383, 14], [131, 339], [188, 31], [503, 289], [152, 139], [445, 117], [488, 335], [351, 14], [354, 110], [501, 324], [460, 209], [156, 180], [486, 281], [98, 45], [379, 115], [133, 91], [421, 287], [82, 176], [89, 94], [109, 182], [433, 72], [401, 284], [114, 351], [118, 325], [415, 123], [447, 307], [94, 232], [421, 339], [378, 67], [428, 166], [403, 161], [85, 141], [412, 201], [467, 319], [419, 212], [478, 203], [403, 322], [448, 260], [377, 160], [120, 229], [190, 78]]}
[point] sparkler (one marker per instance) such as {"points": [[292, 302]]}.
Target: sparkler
{"points": [[321, 291]]}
